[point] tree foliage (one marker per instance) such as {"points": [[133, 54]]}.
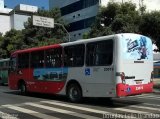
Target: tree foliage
{"points": [[125, 17], [39, 36], [116, 18], [11, 41], [33, 36], [150, 26]]}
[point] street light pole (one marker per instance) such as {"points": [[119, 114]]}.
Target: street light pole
{"points": [[64, 29]]}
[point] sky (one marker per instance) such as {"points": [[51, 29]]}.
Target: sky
{"points": [[39, 3], [150, 4]]}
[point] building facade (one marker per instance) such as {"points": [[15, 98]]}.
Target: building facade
{"points": [[5, 22], [80, 14], [15, 18]]}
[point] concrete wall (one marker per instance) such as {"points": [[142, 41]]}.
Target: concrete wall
{"points": [[75, 16], [5, 24], [18, 21], [82, 14]]}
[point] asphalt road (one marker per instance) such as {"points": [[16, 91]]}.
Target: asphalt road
{"points": [[13, 105]]}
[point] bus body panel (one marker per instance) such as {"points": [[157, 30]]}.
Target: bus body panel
{"points": [[34, 85], [136, 62], [95, 81]]}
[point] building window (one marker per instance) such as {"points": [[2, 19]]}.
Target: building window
{"points": [[99, 53], [78, 6], [82, 24]]}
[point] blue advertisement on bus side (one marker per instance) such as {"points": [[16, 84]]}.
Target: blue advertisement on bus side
{"points": [[52, 74], [137, 47]]}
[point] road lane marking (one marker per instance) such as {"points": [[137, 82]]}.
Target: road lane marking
{"points": [[147, 98], [150, 96], [72, 113], [130, 110], [58, 103], [8, 116], [156, 105], [30, 112], [141, 107], [75, 107]]}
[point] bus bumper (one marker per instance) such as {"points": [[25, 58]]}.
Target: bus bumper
{"points": [[126, 90]]}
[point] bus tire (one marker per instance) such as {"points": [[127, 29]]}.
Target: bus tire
{"points": [[74, 93], [22, 87]]}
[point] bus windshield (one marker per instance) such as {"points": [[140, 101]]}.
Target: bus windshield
{"points": [[136, 47]]}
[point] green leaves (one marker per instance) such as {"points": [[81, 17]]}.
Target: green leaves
{"points": [[150, 26], [11, 41], [33, 36], [116, 18], [122, 18]]}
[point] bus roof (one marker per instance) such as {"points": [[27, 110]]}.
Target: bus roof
{"points": [[69, 43], [36, 49]]}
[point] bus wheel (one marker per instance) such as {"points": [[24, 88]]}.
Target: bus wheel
{"points": [[74, 93], [22, 87]]}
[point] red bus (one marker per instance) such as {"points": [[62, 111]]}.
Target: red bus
{"points": [[109, 66]]}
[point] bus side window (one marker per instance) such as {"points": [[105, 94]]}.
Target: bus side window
{"points": [[13, 64], [23, 60], [99, 53], [74, 55], [53, 57], [37, 59]]}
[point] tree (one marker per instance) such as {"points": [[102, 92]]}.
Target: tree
{"points": [[150, 26], [39, 36], [116, 18], [33, 36], [11, 41]]}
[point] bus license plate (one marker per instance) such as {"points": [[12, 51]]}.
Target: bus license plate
{"points": [[139, 88]]}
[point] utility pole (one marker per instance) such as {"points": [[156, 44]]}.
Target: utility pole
{"points": [[47, 22], [65, 30]]}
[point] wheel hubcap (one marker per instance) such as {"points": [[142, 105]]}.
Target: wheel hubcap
{"points": [[73, 93]]}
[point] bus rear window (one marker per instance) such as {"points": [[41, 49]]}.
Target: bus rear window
{"points": [[137, 47]]}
